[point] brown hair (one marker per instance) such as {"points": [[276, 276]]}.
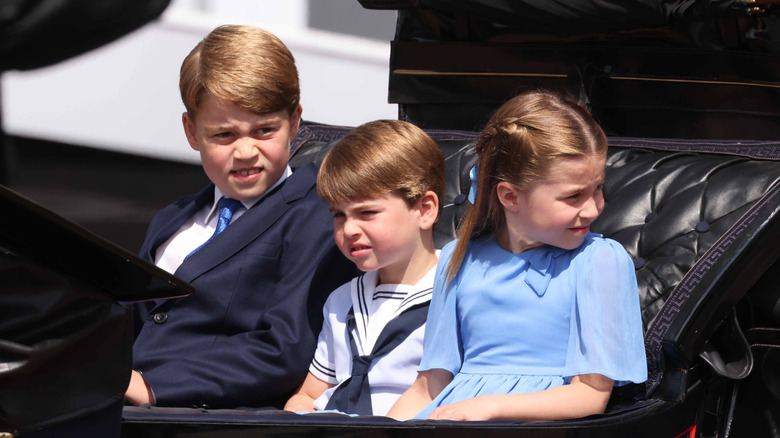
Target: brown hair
{"points": [[246, 65], [518, 145], [379, 158]]}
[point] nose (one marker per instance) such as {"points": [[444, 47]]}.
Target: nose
{"points": [[351, 228], [592, 207], [245, 149]]}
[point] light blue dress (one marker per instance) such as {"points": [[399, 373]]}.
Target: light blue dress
{"points": [[520, 323]]}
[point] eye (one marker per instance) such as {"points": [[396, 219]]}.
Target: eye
{"points": [[266, 130], [573, 196], [337, 214], [222, 135], [368, 213]]}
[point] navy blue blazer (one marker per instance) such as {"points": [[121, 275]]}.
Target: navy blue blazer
{"points": [[248, 334]]}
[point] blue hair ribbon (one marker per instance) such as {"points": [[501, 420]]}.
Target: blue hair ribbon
{"points": [[473, 188]]}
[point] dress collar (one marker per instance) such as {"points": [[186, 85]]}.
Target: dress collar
{"points": [[541, 264]]}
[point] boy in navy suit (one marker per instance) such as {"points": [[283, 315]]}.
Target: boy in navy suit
{"points": [[383, 182], [255, 243]]}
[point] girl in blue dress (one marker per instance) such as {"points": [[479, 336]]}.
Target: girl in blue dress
{"points": [[533, 317]]}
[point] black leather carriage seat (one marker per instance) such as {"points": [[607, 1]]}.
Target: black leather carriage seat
{"points": [[700, 219], [674, 205]]}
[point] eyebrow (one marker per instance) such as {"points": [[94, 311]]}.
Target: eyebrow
{"points": [[216, 126], [271, 121], [359, 205], [579, 187], [261, 123]]}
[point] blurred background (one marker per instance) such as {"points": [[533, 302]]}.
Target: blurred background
{"points": [[98, 138]]}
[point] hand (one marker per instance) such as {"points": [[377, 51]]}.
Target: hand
{"points": [[138, 392], [426, 387], [299, 405], [311, 389], [587, 394], [472, 409]]}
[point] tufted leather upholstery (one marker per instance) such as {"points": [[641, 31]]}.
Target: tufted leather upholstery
{"points": [[674, 205]]}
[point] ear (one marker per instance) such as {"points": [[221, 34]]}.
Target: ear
{"points": [[190, 131], [509, 196], [295, 122], [428, 205]]}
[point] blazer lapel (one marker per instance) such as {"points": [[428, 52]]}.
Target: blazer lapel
{"points": [[250, 226], [180, 211]]}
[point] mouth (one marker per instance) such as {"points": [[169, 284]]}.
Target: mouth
{"points": [[246, 174], [581, 230], [359, 250]]}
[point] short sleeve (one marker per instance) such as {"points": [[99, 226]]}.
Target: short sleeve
{"points": [[606, 334], [323, 364], [442, 346]]}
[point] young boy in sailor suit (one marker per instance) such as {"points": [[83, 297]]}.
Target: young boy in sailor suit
{"points": [[383, 182], [255, 243]]}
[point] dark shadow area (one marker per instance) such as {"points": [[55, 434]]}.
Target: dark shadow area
{"points": [[644, 68], [112, 194]]}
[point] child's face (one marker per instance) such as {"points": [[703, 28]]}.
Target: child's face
{"points": [[558, 210], [381, 234], [243, 153]]}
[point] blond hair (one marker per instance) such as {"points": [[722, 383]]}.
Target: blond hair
{"points": [[245, 65], [519, 144], [380, 158]]}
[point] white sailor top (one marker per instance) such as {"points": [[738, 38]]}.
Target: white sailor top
{"points": [[374, 306]]}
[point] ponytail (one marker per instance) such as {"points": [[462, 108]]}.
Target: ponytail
{"points": [[486, 216]]}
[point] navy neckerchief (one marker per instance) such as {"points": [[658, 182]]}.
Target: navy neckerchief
{"points": [[353, 396]]}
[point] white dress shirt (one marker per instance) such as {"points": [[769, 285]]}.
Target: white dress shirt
{"points": [[199, 228]]}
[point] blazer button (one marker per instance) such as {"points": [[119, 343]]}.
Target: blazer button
{"points": [[160, 317]]}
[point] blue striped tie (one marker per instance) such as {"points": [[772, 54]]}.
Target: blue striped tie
{"points": [[226, 207]]}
